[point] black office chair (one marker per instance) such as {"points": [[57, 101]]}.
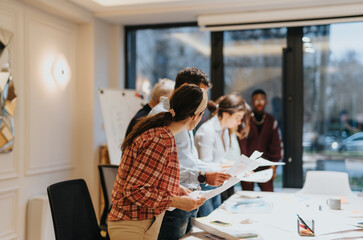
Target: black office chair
{"points": [[108, 175], [72, 211]]}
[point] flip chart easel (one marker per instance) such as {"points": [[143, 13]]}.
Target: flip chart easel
{"points": [[118, 107]]}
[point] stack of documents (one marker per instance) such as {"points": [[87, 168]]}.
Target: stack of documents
{"points": [[224, 230]]}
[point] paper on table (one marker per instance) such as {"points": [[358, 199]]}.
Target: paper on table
{"points": [[233, 232], [212, 230], [259, 177]]}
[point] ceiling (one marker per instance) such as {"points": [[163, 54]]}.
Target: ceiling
{"points": [[135, 12]]}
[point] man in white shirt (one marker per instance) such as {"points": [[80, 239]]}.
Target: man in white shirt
{"points": [[193, 171]]}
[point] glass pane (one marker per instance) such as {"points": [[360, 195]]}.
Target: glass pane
{"points": [[162, 53], [333, 87], [252, 60]]}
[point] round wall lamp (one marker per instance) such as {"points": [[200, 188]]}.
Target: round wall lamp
{"points": [[61, 72]]}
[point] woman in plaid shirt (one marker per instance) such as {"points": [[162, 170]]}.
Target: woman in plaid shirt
{"points": [[147, 181]]}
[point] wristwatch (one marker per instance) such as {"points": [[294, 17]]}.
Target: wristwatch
{"points": [[202, 177]]}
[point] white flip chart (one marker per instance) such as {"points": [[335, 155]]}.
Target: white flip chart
{"points": [[118, 108]]}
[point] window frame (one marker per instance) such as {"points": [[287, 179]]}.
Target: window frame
{"points": [[292, 89], [130, 47]]}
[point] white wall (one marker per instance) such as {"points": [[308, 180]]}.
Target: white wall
{"points": [[100, 65], [58, 132]]}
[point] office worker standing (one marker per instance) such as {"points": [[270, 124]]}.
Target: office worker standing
{"points": [[264, 136], [147, 181], [212, 139], [177, 223]]}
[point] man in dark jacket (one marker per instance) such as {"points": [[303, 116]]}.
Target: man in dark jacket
{"points": [[264, 137]]}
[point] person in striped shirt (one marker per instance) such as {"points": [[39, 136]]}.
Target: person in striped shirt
{"points": [[147, 181]]}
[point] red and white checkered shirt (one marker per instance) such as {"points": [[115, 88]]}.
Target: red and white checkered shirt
{"points": [[147, 177]]}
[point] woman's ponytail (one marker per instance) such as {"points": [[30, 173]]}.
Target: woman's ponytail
{"points": [[146, 123], [212, 107], [183, 104]]}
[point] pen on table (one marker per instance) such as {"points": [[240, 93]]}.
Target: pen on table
{"points": [[304, 223]]}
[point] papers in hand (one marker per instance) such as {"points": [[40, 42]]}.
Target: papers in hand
{"points": [[212, 193], [264, 163], [244, 165], [259, 177], [241, 171]]}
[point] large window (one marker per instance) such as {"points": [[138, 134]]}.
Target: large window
{"points": [[313, 77], [163, 52], [252, 60], [333, 87]]}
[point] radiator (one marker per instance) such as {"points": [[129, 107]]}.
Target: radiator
{"points": [[39, 219]]}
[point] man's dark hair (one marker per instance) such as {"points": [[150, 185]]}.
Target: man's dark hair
{"points": [[191, 75], [258, 91]]}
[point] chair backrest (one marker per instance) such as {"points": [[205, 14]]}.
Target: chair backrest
{"points": [[108, 175], [326, 183], [72, 211]]}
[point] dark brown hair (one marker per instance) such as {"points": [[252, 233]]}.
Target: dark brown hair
{"points": [[232, 103], [184, 102], [244, 128], [193, 76]]}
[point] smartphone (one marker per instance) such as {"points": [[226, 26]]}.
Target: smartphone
{"points": [[221, 223]]}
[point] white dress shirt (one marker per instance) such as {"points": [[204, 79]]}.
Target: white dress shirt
{"points": [[190, 165], [208, 141]]}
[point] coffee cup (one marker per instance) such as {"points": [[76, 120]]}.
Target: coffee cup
{"points": [[333, 203]]}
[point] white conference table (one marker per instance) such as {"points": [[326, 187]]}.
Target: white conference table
{"points": [[273, 216]]}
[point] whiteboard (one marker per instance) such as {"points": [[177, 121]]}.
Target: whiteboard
{"points": [[118, 107]]}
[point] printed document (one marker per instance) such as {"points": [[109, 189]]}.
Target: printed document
{"points": [[242, 170]]}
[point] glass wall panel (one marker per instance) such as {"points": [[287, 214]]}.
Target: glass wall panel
{"points": [[162, 53], [252, 60], [333, 91]]}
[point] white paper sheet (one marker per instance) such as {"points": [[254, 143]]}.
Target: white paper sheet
{"points": [[262, 176], [245, 165], [212, 193], [233, 232], [255, 155], [212, 230], [241, 170], [264, 163], [259, 177], [242, 166]]}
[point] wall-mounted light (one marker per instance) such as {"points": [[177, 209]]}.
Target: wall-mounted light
{"points": [[61, 72]]}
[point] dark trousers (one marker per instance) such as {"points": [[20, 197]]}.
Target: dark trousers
{"points": [[265, 187], [211, 204], [176, 224]]}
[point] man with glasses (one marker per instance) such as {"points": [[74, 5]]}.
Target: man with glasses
{"points": [[264, 136]]}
